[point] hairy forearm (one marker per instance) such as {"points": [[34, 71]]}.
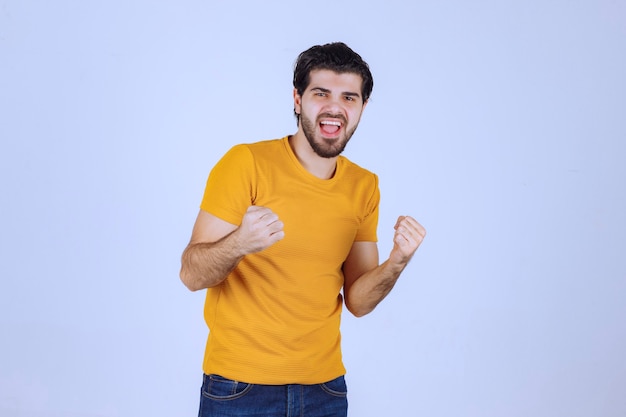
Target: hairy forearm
{"points": [[372, 287], [207, 264]]}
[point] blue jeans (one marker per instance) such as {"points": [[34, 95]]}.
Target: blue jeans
{"points": [[221, 397]]}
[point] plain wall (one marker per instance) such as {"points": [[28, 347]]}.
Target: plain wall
{"points": [[499, 125]]}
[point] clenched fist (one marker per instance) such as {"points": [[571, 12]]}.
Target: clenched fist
{"points": [[407, 238], [260, 229]]}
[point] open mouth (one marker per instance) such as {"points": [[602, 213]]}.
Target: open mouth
{"points": [[330, 127]]}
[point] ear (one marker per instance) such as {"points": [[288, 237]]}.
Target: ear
{"points": [[297, 102]]}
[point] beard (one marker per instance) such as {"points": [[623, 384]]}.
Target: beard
{"points": [[326, 148]]}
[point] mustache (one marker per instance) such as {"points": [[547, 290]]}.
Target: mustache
{"points": [[328, 115]]}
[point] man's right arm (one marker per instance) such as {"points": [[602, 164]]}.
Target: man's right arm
{"points": [[216, 246]]}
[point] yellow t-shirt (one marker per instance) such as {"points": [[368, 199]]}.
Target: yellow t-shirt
{"points": [[275, 319]]}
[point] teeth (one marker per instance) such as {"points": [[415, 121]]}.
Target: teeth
{"points": [[331, 123]]}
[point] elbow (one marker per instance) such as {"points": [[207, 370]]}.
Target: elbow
{"points": [[359, 314], [355, 304], [188, 281], [188, 275], [195, 282], [358, 311]]}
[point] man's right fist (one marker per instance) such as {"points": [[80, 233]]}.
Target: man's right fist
{"points": [[260, 228]]}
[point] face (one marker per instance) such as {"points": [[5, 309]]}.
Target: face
{"points": [[330, 109]]}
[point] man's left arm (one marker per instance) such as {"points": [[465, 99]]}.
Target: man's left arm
{"points": [[366, 283]]}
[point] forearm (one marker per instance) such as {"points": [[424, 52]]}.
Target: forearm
{"points": [[207, 264], [372, 287]]}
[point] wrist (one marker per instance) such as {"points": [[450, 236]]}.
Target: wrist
{"points": [[236, 244]]}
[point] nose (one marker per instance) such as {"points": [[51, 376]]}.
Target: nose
{"points": [[334, 105]]}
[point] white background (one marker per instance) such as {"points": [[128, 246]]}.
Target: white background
{"points": [[499, 125]]}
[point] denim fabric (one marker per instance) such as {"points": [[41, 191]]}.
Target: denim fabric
{"points": [[221, 397]]}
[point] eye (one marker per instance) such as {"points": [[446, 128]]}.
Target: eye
{"points": [[349, 98]]}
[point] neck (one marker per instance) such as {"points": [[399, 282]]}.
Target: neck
{"points": [[323, 168]]}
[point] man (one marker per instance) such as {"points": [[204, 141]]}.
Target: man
{"points": [[284, 225]]}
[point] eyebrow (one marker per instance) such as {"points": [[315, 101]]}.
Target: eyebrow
{"points": [[326, 90]]}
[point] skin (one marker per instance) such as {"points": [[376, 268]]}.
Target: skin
{"points": [[216, 246]]}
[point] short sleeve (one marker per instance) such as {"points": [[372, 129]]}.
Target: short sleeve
{"points": [[230, 187], [369, 221]]}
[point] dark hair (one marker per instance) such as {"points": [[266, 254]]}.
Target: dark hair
{"points": [[337, 57]]}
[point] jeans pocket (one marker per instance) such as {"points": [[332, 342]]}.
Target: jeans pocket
{"points": [[219, 388], [337, 387]]}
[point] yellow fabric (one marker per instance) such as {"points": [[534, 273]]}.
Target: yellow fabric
{"points": [[275, 319]]}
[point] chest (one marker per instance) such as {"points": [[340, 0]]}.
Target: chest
{"points": [[319, 222]]}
